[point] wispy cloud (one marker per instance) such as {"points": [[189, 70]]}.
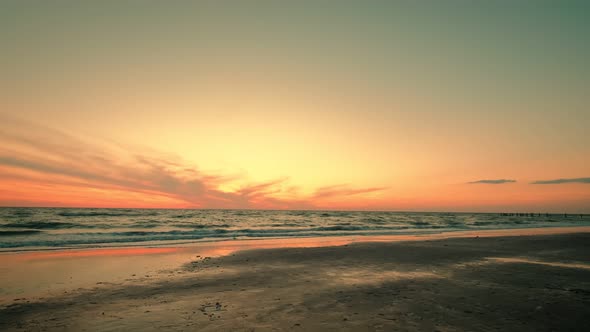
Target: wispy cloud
{"points": [[559, 181], [43, 156], [343, 190], [496, 181]]}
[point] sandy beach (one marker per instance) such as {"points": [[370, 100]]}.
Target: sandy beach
{"points": [[535, 280]]}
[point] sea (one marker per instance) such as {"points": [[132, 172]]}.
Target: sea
{"points": [[51, 228]]}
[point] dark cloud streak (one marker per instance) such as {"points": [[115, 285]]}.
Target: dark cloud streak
{"points": [[343, 190], [560, 181], [496, 181]]}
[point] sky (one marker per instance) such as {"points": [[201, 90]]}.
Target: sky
{"points": [[355, 105]]}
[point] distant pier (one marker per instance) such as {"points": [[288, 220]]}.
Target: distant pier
{"points": [[547, 215]]}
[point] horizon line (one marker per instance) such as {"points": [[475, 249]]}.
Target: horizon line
{"points": [[310, 210]]}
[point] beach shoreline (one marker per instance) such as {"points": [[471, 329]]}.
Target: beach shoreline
{"points": [[402, 236], [412, 283]]}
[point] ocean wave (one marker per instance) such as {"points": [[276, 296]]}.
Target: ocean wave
{"points": [[26, 232], [170, 236], [284, 225], [145, 225], [44, 225], [482, 223], [183, 216], [19, 214], [374, 221], [199, 226], [22, 227], [341, 228]]}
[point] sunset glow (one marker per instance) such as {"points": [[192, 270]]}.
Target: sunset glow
{"points": [[364, 107]]}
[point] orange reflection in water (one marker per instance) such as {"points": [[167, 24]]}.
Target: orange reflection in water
{"points": [[228, 247], [223, 248], [97, 252]]}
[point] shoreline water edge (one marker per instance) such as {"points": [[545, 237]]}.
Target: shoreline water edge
{"points": [[512, 280], [48, 228]]}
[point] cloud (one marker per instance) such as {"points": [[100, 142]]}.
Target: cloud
{"points": [[343, 190], [67, 165], [559, 181], [497, 181]]}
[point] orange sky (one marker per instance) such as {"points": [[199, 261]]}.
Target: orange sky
{"points": [[358, 106], [46, 167]]}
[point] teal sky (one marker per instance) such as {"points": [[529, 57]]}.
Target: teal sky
{"points": [[518, 58]]}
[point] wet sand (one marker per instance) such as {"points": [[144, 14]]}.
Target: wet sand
{"points": [[484, 281]]}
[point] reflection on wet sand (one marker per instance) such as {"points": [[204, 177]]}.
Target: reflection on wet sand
{"points": [[475, 283], [93, 252], [227, 247], [45, 273], [513, 260]]}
